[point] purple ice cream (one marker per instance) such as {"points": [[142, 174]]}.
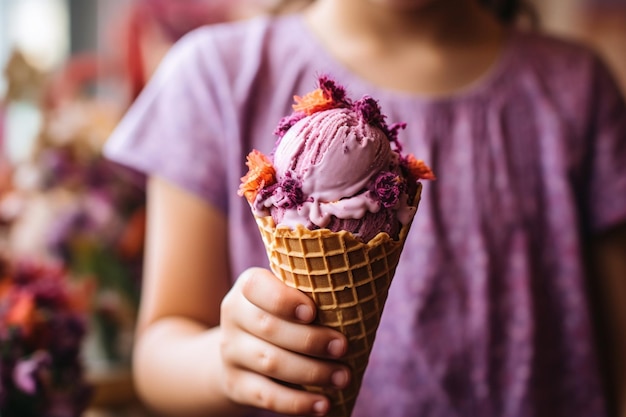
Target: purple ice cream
{"points": [[336, 165]]}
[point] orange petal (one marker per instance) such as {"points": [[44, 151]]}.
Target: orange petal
{"points": [[419, 169], [313, 102], [261, 173], [22, 310]]}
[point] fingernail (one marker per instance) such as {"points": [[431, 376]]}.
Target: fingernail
{"points": [[340, 378], [335, 348], [320, 407], [304, 313]]}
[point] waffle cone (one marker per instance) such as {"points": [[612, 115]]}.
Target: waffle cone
{"points": [[349, 282]]}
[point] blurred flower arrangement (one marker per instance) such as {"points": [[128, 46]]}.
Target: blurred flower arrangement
{"points": [[78, 214], [42, 325], [98, 228], [68, 204]]}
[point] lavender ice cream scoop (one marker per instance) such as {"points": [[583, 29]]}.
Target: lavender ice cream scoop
{"points": [[336, 165]]}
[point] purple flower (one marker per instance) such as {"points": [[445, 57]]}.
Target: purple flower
{"points": [[387, 188], [26, 371], [287, 193], [286, 123], [291, 191], [371, 113], [335, 91], [369, 110], [392, 134]]}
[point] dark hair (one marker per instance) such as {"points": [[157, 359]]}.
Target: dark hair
{"points": [[511, 12]]}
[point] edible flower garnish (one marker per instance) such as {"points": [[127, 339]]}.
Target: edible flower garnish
{"points": [[261, 174], [313, 102], [387, 188], [418, 168], [328, 96]]}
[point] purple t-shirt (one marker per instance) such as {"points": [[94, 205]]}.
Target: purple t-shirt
{"points": [[488, 313]]}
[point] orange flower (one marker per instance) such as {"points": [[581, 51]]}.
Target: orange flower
{"points": [[21, 312], [261, 174], [419, 169], [313, 102]]}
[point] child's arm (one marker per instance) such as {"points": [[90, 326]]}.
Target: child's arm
{"points": [[197, 355], [609, 256]]}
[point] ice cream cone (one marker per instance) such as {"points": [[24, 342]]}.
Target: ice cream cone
{"points": [[348, 280]]}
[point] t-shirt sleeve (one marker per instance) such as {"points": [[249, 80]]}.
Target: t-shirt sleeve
{"points": [[175, 129], [607, 180]]}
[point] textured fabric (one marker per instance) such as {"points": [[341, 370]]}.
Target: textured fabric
{"points": [[488, 314]]}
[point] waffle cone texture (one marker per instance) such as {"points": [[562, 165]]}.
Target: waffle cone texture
{"points": [[347, 279]]}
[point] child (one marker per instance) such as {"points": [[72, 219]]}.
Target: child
{"points": [[488, 314]]}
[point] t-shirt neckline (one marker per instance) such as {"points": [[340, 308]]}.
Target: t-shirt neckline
{"points": [[479, 87]]}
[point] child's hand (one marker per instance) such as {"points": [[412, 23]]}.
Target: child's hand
{"points": [[269, 343]]}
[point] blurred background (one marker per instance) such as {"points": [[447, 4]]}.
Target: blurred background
{"points": [[71, 222]]}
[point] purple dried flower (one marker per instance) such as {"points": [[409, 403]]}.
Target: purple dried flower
{"points": [[291, 191], [369, 110], [371, 113], [287, 193], [392, 134], [336, 92], [387, 187], [287, 122]]}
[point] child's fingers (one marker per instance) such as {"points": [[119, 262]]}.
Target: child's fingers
{"points": [[264, 290], [261, 318], [259, 356], [306, 339], [265, 340], [258, 391]]}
